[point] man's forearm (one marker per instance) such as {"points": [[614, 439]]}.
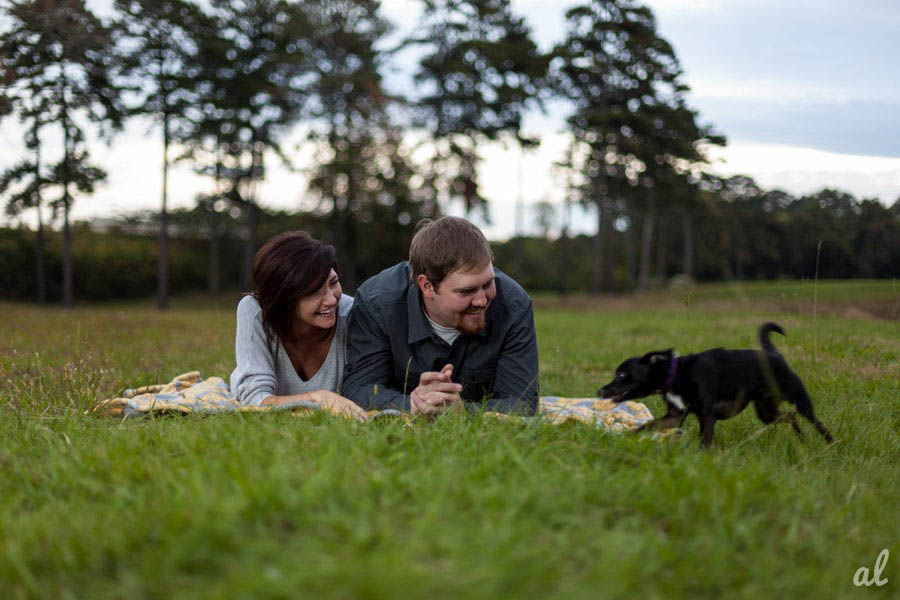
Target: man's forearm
{"points": [[369, 363]]}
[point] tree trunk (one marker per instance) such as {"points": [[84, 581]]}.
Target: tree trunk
{"points": [[67, 234], [631, 244], [350, 252], [246, 277], [612, 254], [599, 239], [39, 257], [162, 270], [350, 248], [212, 279], [662, 253], [519, 243], [39, 242], [564, 251], [67, 250], [213, 276], [688, 227], [519, 249], [597, 281], [252, 218], [563, 263], [647, 239], [612, 250]]}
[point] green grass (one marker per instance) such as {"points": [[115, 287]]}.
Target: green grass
{"points": [[286, 506]]}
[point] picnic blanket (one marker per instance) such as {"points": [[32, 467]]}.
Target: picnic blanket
{"points": [[190, 393]]}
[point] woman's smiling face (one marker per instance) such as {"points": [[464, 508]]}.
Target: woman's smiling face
{"points": [[319, 309]]}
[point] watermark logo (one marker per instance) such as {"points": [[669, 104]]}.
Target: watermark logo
{"points": [[861, 578]]}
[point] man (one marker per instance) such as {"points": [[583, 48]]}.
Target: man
{"points": [[444, 331]]}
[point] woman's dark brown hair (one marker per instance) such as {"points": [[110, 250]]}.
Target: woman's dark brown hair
{"points": [[288, 267]]}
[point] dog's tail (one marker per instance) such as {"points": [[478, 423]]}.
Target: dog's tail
{"points": [[764, 332]]}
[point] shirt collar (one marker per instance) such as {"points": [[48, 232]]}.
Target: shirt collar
{"points": [[417, 325]]}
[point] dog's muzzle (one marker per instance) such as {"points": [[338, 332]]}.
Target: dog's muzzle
{"points": [[615, 396]]}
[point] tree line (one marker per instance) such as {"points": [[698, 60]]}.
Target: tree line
{"points": [[225, 83], [757, 235], [752, 234]]}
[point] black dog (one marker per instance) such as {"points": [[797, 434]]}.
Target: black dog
{"points": [[715, 385]]}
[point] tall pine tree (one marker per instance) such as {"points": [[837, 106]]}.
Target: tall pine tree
{"points": [[159, 54], [629, 117], [362, 172], [254, 84], [481, 70], [58, 52]]}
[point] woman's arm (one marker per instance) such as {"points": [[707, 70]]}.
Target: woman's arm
{"points": [[254, 378]]}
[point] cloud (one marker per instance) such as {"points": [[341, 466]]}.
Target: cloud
{"points": [[801, 171], [813, 73], [867, 128]]}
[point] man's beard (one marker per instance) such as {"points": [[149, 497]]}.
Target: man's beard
{"points": [[472, 324]]}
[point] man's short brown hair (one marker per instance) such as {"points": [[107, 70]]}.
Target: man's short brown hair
{"points": [[447, 244]]}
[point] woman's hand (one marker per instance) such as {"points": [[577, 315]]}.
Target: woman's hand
{"points": [[334, 403], [339, 405]]}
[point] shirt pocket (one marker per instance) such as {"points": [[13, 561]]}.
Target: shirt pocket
{"points": [[478, 384]]}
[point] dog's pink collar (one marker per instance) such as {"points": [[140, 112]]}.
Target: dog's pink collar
{"points": [[670, 378]]}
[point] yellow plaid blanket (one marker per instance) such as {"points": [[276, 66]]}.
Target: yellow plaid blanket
{"points": [[189, 393]]}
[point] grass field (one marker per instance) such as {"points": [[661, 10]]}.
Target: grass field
{"points": [[286, 506]]}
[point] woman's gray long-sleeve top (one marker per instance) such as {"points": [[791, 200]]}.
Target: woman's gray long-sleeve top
{"points": [[260, 373]]}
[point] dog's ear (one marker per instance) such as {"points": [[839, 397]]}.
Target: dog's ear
{"points": [[664, 355], [651, 358]]}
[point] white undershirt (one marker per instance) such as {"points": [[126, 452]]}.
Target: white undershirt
{"points": [[448, 334]]}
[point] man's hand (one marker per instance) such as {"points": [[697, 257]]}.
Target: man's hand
{"points": [[436, 393]]}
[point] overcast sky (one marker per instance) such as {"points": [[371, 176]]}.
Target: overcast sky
{"points": [[807, 93]]}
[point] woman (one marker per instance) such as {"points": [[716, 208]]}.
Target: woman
{"points": [[291, 341]]}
